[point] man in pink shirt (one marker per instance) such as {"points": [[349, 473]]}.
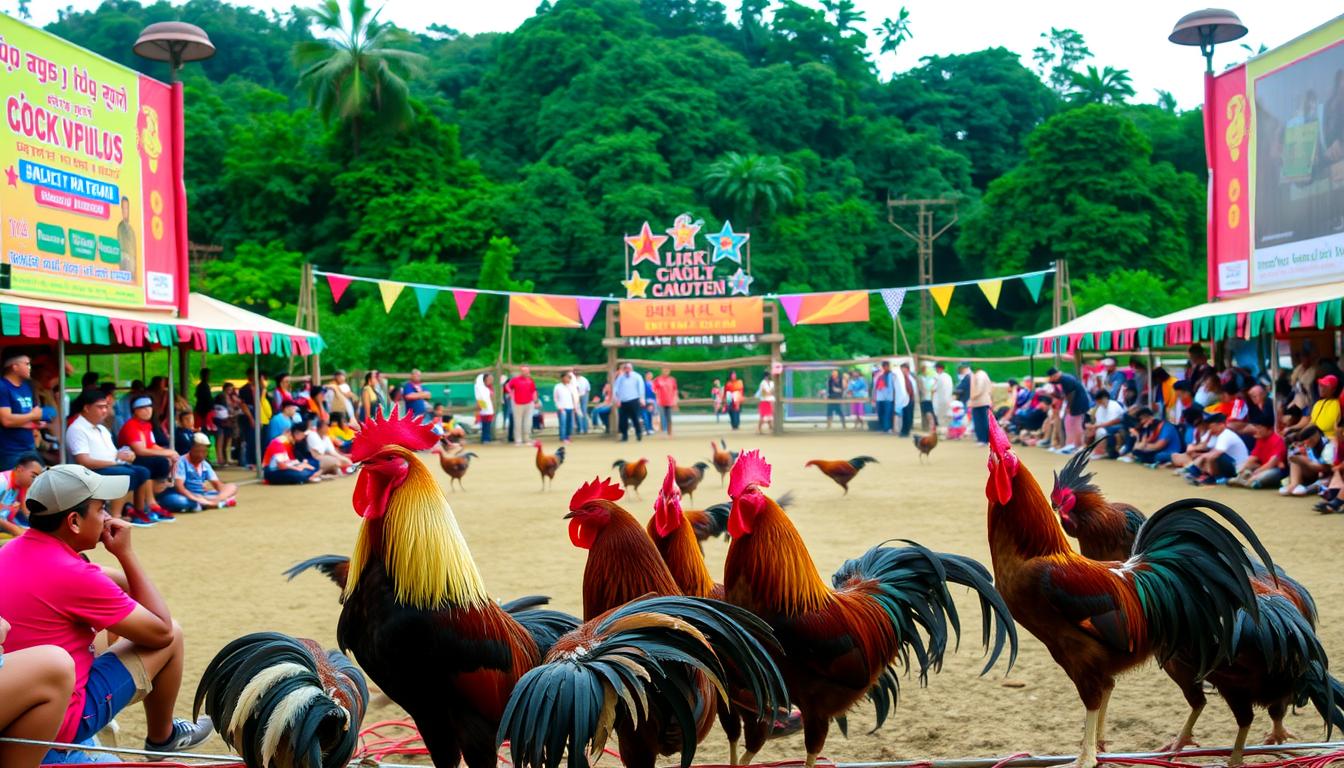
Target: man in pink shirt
{"points": [[66, 601], [665, 392]]}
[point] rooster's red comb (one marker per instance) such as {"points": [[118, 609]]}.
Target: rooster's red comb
{"points": [[379, 432], [670, 489], [594, 490], [750, 469]]}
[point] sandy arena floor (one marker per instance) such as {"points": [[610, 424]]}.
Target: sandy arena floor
{"points": [[221, 574]]}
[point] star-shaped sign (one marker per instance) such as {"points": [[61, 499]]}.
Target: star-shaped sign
{"points": [[740, 282], [728, 244], [636, 285], [11, 176], [683, 232], [646, 245]]}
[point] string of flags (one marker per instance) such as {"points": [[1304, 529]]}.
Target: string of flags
{"points": [[569, 311]]}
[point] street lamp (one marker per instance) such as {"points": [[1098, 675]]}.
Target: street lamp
{"points": [[1206, 29], [175, 42]]}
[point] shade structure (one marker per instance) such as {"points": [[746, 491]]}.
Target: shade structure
{"points": [[1098, 326]]}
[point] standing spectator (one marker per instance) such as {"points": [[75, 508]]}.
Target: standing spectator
{"points": [[1077, 405], [340, 397], [583, 390], [205, 398], [1155, 440], [857, 390], [14, 484], [1114, 377], [734, 392], [195, 484], [665, 391], [650, 400], [1141, 378], [911, 397], [35, 684], [942, 394], [1225, 457], [138, 435], [928, 380], [962, 391], [20, 416], [67, 600], [226, 409], [281, 462], [884, 397], [322, 450], [284, 418], [523, 391], [252, 404], [1197, 367], [417, 399], [835, 391], [765, 395], [396, 403], [1268, 462], [1107, 423], [627, 395], [370, 402], [282, 392], [716, 394], [980, 403], [485, 406], [563, 397]]}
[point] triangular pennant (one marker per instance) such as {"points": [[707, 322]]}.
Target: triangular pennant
{"points": [[1033, 284], [791, 305], [464, 300], [991, 289], [588, 309], [893, 298], [390, 292], [338, 285], [425, 297], [942, 294]]}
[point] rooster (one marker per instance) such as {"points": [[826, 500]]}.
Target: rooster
{"points": [[722, 458], [688, 478], [1278, 662], [1181, 591], [284, 703], [838, 642], [455, 466], [841, 471], [632, 472], [926, 443], [548, 463]]}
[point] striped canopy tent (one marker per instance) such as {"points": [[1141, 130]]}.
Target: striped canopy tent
{"points": [[1105, 328]]}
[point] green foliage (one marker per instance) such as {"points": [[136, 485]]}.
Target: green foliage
{"points": [[262, 278], [751, 188], [1063, 50], [1100, 86], [1138, 290]]}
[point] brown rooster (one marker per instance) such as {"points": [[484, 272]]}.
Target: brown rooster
{"points": [[722, 458], [455, 466], [632, 472], [926, 443], [548, 463], [1104, 530], [841, 471], [688, 478]]}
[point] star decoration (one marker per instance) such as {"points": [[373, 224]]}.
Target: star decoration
{"points": [[646, 245], [11, 176], [636, 286], [683, 232], [728, 244], [740, 282]]}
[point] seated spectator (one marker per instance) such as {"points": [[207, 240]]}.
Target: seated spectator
{"points": [[322, 450], [138, 435], [1155, 440], [341, 433], [1324, 413], [184, 435], [1031, 417], [1107, 423], [1195, 438], [1309, 461], [1227, 454], [1254, 408], [283, 419], [1207, 390], [281, 466], [14, 486], [67, 601], [453, 431], [91, 447], [195, 484], [36, 684], [1268, 462]]}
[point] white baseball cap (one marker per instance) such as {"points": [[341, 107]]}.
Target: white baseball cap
{"points": [[67, 486]]}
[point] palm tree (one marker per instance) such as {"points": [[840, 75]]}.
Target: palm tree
{"points": [[1105, 86], [895, 31], [351, 70], [752, 187]]}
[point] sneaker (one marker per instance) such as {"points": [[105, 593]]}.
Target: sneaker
{"points": [[1300, 490], [1127, 459], [1220, 481], [230, 503], [139, 519], [185, 735], [161, 515]]}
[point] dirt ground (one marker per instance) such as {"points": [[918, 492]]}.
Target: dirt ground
{"points": [[221, 574]]}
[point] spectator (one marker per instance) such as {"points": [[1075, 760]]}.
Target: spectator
{"points": [[20, 416], [205, 398], [255, 410], [322, 449], [1324, 413], [1077, 404], [283, 419], [1155, 440], [485, 406], [451, 431], [942, 394], [884, 397], [340, 397], [1107, 423], [417, 399], [583, 390], [765, 395], [1309, 461], [282, 392], [371, 401], [627, 395], [68, 600], [982, 392], [36, 685], [523, 391], [734, 392], [184, 434], [91, 446], [121, 410], [226, 408], [665, 391], [835, 391], [962, 391], [1184, 399], [1018, 397], [857, 390], [282, 465], [601, 408], [138, 435], [1031, 416], [1115, 378], [1197, 365], [195, 484], [1302, 380], [912, 395], [650, 402], [563, 397], [1226, 456], [14, 484], [1164, 392], [1268, 461], [1256, 409], [341, 432], [928, 381], [716, 394], [1207, 390], [396, 403], [1140, 378], [1195, 438]]}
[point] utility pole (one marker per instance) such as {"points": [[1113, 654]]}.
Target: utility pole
{"points": [[924, 235], [306, 318]]}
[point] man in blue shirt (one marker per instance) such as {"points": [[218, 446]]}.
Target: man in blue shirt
{"points": [[628, 392], [884, 397], [1156, 440], [417, 399], [20, 415], [282, 420]]}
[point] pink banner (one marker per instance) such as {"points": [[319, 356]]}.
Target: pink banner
{"points": [[463, 300], [791, 305], [338, 285], [1227, 126], [587, 309]]}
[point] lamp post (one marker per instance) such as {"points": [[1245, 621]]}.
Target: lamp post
{"points": [[1206, 29], [175, 42]]}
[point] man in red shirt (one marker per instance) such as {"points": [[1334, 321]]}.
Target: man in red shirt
{"points": [[665, 392], [138, 435], [1268, 462], [523, 390], [66, 601]]}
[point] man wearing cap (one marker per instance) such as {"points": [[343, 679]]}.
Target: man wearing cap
{"points": [[91, 447], [66, 601], [195, 484], [138, 435], [1225, 457], [20, 415]]}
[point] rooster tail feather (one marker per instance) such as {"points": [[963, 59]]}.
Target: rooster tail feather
{"points": [[334, 567], [545, 625], [1325, 693], [560, 455], [1192, 578], [723, 443], [859, 462], [642, 658], [525, 603], [718, 519], [1286, 640]]}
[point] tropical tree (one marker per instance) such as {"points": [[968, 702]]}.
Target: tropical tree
{"points": [[895, 31], [1101, 86], [354, 68], [751, 187], [1063, 50]]}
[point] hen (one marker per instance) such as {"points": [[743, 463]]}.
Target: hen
{"points": [[632, 473], [548, 463], [838, 642], [455, 466], [841, 471], [1181, 590], [722, 458], [688, 478], [926, 443]]}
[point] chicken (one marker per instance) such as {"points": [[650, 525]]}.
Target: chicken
{"points": [[548, 463], [688, 478], [632, 472], [455, 466], [282, 702], [1278, 660], [841, 471], [722, 458], [838, 642], [926, 443], [1180, 591]]}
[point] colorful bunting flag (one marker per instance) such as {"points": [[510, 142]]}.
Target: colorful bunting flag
{"points": [[544, 311], [463, 300], [425, 297], [791, 305], [1033, 284], [390, 292], [893, 298], [588, 309], [991, 289], [338, 285], [826, 308], [942, 294]]}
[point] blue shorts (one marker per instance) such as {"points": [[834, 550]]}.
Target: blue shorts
{"points": [[110, 689]]}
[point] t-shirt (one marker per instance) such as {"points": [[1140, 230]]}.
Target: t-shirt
{"points": [[417, 407], [563, 396], [11, 498], [1165, 430], [319, 445], [665, 390], [278, 452], [65, 601], [137, 431], [19, 400], [835, 388], [1074, 393], [522, 388], [1266, 448], [884, 386], [1108, 412], [1325, 414], [1232, 446], [279, 425], [83, 437], [629, 386], [183, 439], [858, 388], [194, 477]]}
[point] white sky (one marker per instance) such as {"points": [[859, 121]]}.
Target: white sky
{"points": [[1130, 35]]}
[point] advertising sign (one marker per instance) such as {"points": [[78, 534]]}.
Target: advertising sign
{"points": [[693, 317], [676, 266]]}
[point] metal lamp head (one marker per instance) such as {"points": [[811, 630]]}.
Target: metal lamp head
{"points": [[1206, 29], [175, 42]]}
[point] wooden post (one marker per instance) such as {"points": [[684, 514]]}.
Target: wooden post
{"points": [[776, 357], [613, 357]]}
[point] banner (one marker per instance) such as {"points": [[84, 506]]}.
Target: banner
{"points": [[389, 291], [91, 194], [541, 311], [692, 317], [942, 295], [1229, 188], [658, 269], [826, 308], [991, 289], [893, 298]]}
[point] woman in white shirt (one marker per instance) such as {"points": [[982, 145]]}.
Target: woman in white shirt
{"points": [[563, 395], [485, 406], [765, 393]]}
